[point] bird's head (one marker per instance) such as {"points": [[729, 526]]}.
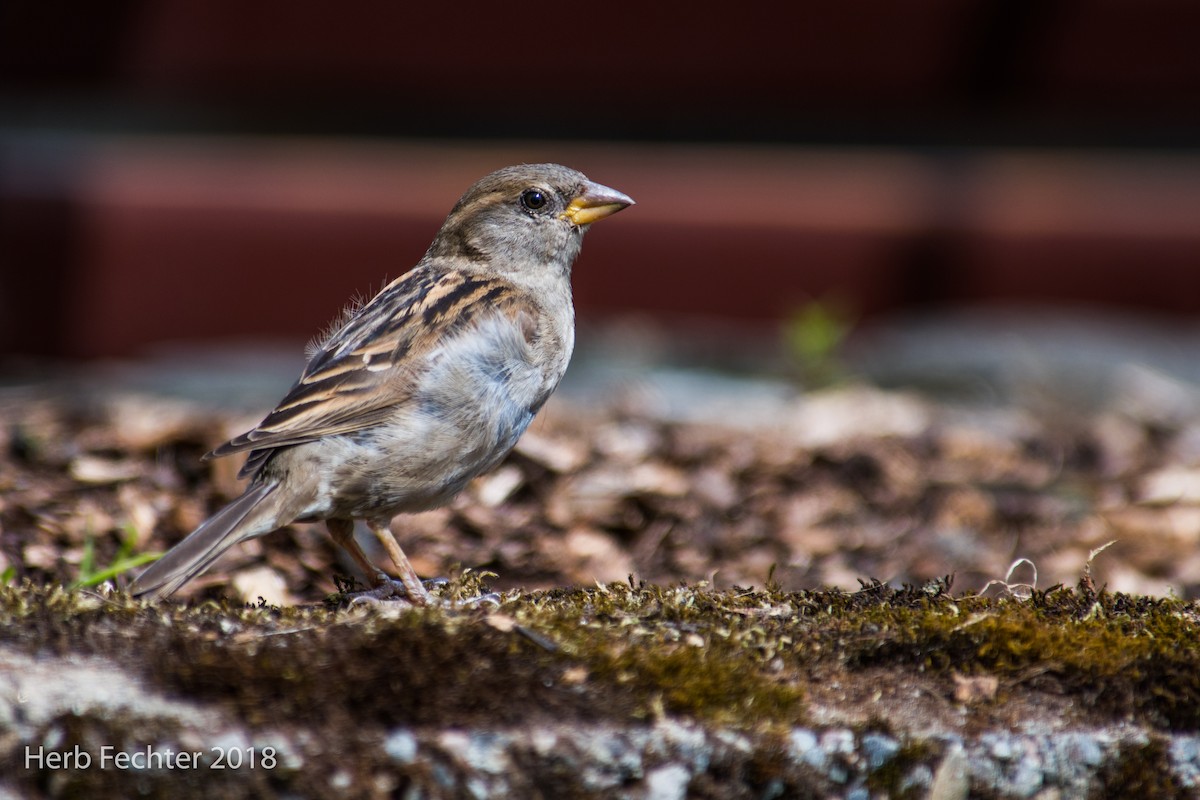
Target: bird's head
{"points": [[526, 218]]}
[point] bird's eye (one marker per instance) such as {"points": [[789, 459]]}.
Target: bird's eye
{"points": [[533, 199]]}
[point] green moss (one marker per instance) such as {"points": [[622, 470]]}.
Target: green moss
{"points": [[740, 657], [697, 682], [675, 650], [1122, 654]]}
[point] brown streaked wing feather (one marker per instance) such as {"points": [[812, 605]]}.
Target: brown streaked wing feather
{"points": [[364, 370]]}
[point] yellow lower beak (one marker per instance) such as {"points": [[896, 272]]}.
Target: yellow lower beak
{"points": [[593, 203]]}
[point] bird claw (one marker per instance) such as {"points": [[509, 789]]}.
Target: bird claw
{"points": [[491, 598], [386, 590], [394, 591]]}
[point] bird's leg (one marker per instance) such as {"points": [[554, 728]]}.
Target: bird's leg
{"points": [[408, 576], [342, 531], [383, 586]]}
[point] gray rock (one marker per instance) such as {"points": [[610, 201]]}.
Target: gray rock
{"points": [[668, 782]]}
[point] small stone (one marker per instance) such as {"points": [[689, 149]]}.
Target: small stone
{"points": [[574, 676], [1170, 485], [597, 556], [401, 746], [974, 689], [921, 777], [715, 488], [610, 760], [97, 470], [684, 741], [1185, 757], [951, 781], [543, 740], [42, 556], [501, 622], [627, 442], [879, 749], [494, 489], [1002, 749], [669, 782], [1027, 778], [825, 418], [261, 582], [1084, 749], [487, 752], [556, 455], [840, 742], [805, 747]]}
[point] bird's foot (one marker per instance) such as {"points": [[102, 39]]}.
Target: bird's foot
{"points": [[391, 590], [487, 599], [396, 591]]}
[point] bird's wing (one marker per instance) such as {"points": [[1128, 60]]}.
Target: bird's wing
{"points": [[368, 366]]}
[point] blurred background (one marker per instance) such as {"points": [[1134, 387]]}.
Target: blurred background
{"points": [[996, 202], [197, 171]]}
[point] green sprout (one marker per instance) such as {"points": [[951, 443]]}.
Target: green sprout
{"points": [[814, 335], [125, 560]]}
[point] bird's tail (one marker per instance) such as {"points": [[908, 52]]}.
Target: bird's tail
{"points": [[250, 515]]}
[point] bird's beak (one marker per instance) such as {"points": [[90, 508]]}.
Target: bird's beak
{"points": [[593, 203]]}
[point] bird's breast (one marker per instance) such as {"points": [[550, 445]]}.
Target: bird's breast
{"points": [[475, 395]]}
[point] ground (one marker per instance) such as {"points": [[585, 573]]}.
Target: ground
{"points": [[861, 591]]}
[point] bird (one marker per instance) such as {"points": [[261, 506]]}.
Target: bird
{"points": [[428, 384]]}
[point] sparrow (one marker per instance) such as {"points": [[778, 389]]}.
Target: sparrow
{"points": [[424, 387]]}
